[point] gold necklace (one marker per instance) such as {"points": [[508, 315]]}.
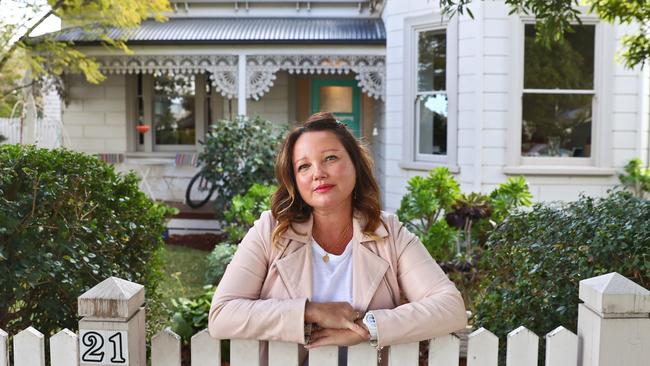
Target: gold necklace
{"points": [[343, 235]]}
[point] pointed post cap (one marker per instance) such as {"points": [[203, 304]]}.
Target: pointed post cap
{"points": [[111, 298], [614, 294]]}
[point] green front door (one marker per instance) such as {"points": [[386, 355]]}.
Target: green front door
{"points": [[340, 97]]}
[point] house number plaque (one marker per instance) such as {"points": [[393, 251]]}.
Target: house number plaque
{"points": [[103, 347]]}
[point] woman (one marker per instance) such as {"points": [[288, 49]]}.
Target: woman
{"points": [[327, 255]]}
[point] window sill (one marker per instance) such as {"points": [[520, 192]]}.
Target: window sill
{"points": [[144, 155], [559, 170], [426, 166]]}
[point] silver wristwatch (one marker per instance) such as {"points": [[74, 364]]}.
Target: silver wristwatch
{"points": [[369, 322]]}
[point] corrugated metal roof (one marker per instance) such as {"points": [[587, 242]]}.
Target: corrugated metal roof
{"points": [[244, 30]]}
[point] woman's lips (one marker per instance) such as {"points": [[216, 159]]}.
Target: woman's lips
{"points": [[324, 188]]}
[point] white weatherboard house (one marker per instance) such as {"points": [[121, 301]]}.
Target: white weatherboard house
{"points": [[475, 95]]}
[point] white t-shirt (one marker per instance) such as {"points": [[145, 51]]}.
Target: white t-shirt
{"points": [[331, 280]]}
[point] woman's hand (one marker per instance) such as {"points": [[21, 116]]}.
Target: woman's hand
{"points": [[338, 337], [333, 315]]}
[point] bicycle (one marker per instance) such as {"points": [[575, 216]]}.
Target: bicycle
{"points": [[199, 191]]}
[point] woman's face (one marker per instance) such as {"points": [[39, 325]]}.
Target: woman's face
{"points": [[324, 171]]}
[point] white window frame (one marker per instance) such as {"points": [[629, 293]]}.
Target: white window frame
{"points": [[149, 146], [413, 26], [600, 161]]}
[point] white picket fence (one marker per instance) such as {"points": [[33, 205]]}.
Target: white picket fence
{"points": [[48, 132], [613, 329]]}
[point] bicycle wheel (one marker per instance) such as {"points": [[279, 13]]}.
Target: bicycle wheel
{"points": [[198, 192]]}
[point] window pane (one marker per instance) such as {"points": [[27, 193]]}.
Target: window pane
{"points": [[336, 99], [556, 125], [433, 124], [174, 109], [432, 54], [567, 65]]}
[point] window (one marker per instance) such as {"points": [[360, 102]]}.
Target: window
{"points": [[558, 95], [430, 89], [174, 107], [431, 97]]}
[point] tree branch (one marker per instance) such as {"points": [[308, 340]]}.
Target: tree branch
{"points": [[6, 94], [28, 32]]}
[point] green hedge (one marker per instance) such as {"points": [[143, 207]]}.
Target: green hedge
{"points": [[67, 222], [535, 260]]}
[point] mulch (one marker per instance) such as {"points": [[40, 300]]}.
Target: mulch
{"points": [[205, 242]]}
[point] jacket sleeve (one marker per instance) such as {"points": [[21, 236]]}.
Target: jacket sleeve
{"points": [[237, 312], [435, 306]]}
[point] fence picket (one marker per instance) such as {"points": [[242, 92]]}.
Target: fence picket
{"points": [[166, 348], [561, 347], [64, 349], [325, 356], [482, 348], [362, 354], [522, 347], [404, 354], [283, 354], [4, 355], [205, 350], [444, 351], [244, 352], [29, 348]]}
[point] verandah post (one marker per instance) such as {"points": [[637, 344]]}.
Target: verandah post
{"points": [[613, 322], [112, 330]]}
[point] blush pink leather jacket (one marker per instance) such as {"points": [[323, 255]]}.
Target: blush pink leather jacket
{"points": [[264, 290]]}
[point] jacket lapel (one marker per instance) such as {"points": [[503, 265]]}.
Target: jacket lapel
{"points": [[295, 271], [295, 268], [368, 268]]}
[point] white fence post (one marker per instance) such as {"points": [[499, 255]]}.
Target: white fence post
{"points": [[112, 330], [205, 350], [444, 351], [561, 348], [613, 322], [29, 348], [522, 347], [64, 349], [4, 355], [166, 349], [482, 348]]}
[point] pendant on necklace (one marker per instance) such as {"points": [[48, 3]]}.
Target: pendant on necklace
{"points": [[326, 258]]}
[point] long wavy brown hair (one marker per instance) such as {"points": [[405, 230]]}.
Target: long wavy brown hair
{"points": [[288, 206]]}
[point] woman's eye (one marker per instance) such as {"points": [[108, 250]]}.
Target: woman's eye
{"points": [[331, 157], [302, 167]]}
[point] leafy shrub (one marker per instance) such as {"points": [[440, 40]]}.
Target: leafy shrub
{"points": [[422, 209], [443, 218], [190, 316], [244, 210], [237, 154], [636, 178], [218, 260], [67, 222], [454, 226], [536, 259], [240, 216]]}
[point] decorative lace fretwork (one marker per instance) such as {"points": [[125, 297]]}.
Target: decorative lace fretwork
{"points": [[222, 68], [261, 69]]}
